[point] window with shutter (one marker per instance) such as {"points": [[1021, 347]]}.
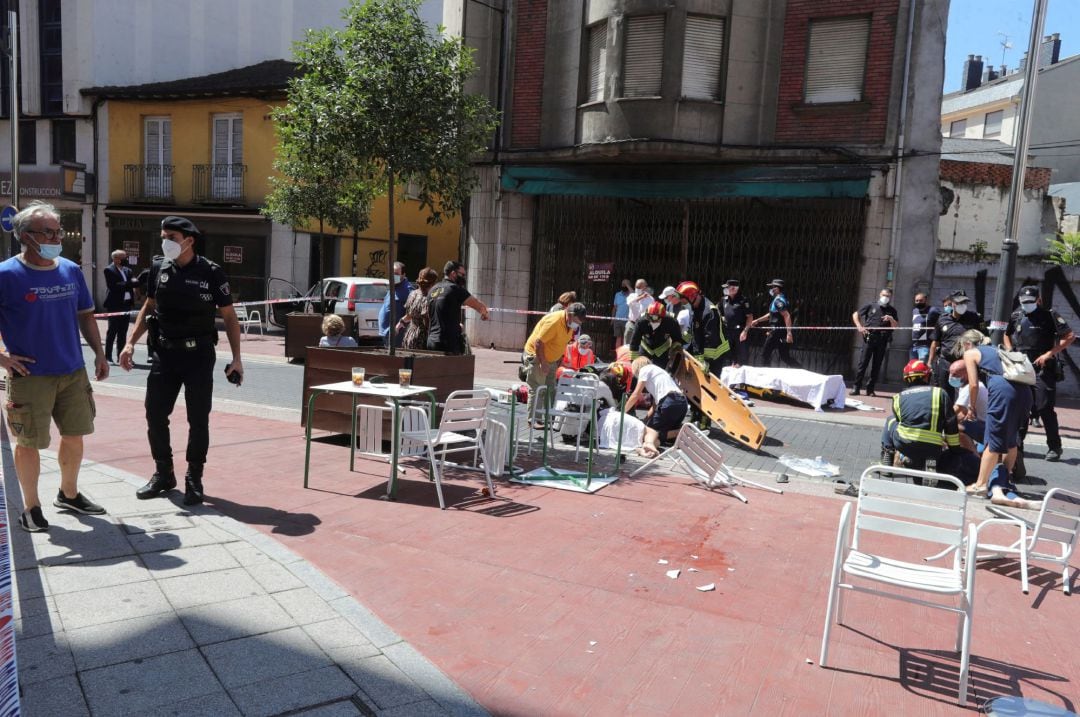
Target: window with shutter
{"points": [[992, 124], [597, 62], [702, 54], [643, 56], [157, 157], [958, 128], [836, 60], [227, 172]]}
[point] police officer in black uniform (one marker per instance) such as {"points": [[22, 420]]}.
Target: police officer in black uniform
{"points": [[1041, 333], [875, 322], [945, 348], [183, 293], [780, 323], [737, 318]]}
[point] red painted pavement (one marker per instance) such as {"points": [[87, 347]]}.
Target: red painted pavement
{"points": [[549, 602]]}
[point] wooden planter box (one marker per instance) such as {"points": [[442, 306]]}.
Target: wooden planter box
{"points": [[304, 330], [331, 365]]}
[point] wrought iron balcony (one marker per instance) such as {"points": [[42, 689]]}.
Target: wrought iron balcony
{"points": [[149, 183], [218, 183]]}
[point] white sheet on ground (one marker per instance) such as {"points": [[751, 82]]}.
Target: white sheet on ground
{"points": [[813, 388], [633, 431]]}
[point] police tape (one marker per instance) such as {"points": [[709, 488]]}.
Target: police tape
{"points": [[753, 328], [265, 302]]}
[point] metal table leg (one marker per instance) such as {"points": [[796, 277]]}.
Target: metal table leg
{"points": [[307, 432]]}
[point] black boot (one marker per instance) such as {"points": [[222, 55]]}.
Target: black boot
{"points": [[888, 455], [193, 490], [161, 482]]}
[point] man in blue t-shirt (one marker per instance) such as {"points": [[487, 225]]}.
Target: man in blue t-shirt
{"points": [[402, 289], [44, 303]]}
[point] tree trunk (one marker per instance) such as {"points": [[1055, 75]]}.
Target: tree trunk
{"points": [[390, 258]]}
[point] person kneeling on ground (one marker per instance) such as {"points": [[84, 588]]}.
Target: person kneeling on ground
{"points": [[921, 415], [669, 404], [972, 430]]}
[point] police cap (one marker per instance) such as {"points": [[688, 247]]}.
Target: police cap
{"points": [[181, 224], [1030, 292]]}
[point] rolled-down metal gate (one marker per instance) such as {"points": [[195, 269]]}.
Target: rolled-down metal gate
{"points": [[815, 245]]}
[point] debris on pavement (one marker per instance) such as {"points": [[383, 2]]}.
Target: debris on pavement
{"points": [[817, 467], [707, 588], [673, 574]]}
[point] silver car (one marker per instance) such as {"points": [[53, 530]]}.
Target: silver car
{"points": [[361, 296]]}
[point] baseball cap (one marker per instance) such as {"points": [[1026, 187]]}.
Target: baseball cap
{"points": [[584, 339], [731, 282], [1031, 292], [182, 225], [577, 309], [668, 292], [778, 283], [960, 297]]}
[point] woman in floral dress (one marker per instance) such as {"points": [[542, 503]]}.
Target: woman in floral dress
{"points": [[415, 320]]}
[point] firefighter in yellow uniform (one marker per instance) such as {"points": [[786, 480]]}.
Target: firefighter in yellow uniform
{"points": [[657, 337]]}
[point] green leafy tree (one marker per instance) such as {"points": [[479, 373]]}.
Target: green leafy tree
{"points": [[381, 103], [1065, 250]]}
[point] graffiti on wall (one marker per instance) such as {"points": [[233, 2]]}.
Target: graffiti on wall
{"points": [[377, 267]]}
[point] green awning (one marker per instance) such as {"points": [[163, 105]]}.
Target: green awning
{"points": [[688, 181]]}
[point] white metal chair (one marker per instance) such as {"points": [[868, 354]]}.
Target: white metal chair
{"points": [[918, 513], [571, 390], [369, 430], [461, 428], [1058, 525], [703, 459], [249, 318]]}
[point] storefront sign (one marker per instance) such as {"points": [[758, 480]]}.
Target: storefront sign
{"points": [[131, 248], [64, 182], [599, 272], [234, 254]]}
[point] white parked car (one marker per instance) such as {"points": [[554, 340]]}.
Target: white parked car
{"points": [[361, 296]]}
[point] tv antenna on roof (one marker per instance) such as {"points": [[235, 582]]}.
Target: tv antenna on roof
{"points": [[1005, 46]]}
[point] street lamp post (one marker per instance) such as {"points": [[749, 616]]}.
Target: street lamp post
{"points": [[1007, 271]]}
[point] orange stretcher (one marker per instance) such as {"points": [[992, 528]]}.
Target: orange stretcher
{"points": [[704, 391]]}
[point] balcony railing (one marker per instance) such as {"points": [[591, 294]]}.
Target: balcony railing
{"points": [[218, 183], [149, 183]]}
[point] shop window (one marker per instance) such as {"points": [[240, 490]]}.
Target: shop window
{"points": [[836, 60]]}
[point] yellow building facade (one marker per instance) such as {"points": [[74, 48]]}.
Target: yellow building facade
{"points": [[204, 148]]}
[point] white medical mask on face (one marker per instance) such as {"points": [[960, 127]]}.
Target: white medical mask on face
{"points": [[654, 322], [960, 309], [956, 381], [171, 249], [639, 292], [397, 278], [48, 252], [884, 300], [1028, 306]]}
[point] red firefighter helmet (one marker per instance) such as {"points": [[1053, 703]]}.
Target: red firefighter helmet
{"points": [[656, 309], [688, 290], [916, 370]]}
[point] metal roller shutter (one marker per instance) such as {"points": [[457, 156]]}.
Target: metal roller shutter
{"points": [[702, 54], [643, 59], [597, 61], [836, 60]]}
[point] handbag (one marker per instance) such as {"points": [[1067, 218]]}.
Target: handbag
{"points": [[1016, 367]]}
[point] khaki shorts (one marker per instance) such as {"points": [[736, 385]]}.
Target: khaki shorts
{"points": [[33, 400]]}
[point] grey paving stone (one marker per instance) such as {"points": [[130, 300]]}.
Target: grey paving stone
{"points": [[274, 577], [68, 541], [29, 607], [451, 697], [333, 634], [344, 708], [141, 687], [173, 540], [247, 554], [274, 549], [108, 490], [352, 654], [199, 589], [305, 606], [378, 632], [382, 681], [323, 586], [123, 505], [121, 602], [206, 514], [185, 561], [282, 694], [44, 623], [58, 696], [263, 657], [29, 583], [218, 704], [95, 574], [133, 639], [44, 658], [221, 621], [151, 522], [427, 708]]}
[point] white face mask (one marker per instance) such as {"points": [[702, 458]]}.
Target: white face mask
{"points": [[171, 249], [884, 300], [960, 309], [639, 292], [728, 290], [1028, 306]]}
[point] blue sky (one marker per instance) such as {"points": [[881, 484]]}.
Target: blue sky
{"points": [[974, 26]]}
